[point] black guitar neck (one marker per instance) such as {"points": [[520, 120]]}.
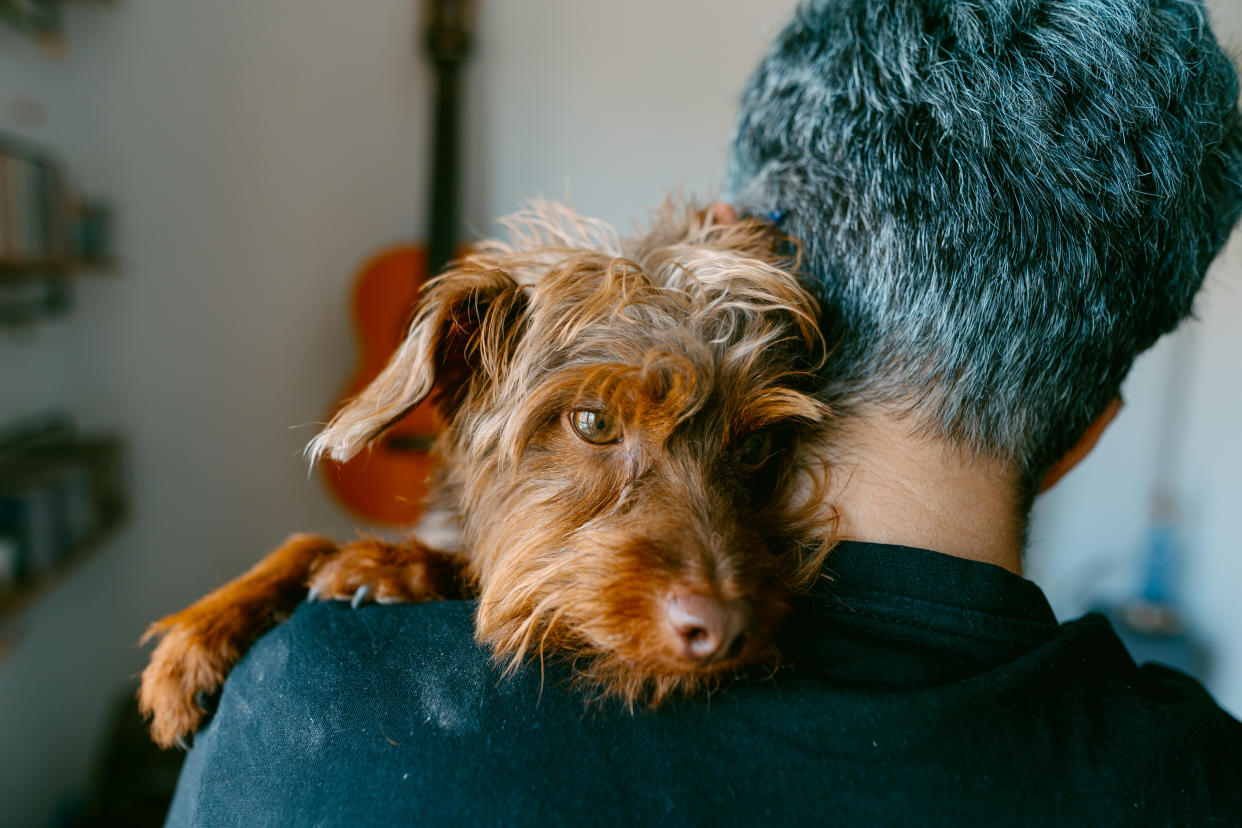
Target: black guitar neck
{"points": [[448, 32]]}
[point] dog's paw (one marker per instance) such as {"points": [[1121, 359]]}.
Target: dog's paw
{"points": [[184, 672], [372, 570], [203, 642]]}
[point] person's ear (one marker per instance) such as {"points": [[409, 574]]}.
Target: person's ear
{"points": [[1083, 447], [723, 213]]}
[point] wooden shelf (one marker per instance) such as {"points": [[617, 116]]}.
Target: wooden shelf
{"points": [[56, 268], [47, 231], [44, 22]]}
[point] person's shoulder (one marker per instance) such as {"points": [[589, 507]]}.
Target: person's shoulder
{"points": [[1155, 723], [1187, 709], [329, 650], [1088, 652], [1092, 645], [377, 633], [1195, 742], [334, 707]]}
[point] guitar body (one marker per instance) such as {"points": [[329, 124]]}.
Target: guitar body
{"points": [[387, 483]]}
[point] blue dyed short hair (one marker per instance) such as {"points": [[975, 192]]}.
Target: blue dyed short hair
{"points": [[1001, 202]]}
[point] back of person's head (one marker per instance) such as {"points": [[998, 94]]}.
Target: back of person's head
{"points": [[1001, 202]]}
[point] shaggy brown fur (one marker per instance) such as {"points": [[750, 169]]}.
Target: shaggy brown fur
{"points": [[620, 460]]}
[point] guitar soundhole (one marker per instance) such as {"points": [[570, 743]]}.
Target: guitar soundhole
{"points": [[409, 443]]}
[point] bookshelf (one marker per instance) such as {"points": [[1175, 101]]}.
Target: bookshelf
{"points": [[62, 497], [47, 233], [63, 493]]}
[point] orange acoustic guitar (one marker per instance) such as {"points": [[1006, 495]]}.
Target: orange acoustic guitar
{"points": [[387, 483]]}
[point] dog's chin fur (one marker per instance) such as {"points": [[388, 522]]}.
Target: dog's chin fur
{"points": [[693, 337], [611, 631]]}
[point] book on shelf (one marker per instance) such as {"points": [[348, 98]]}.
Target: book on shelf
{"points": [[35, 210], [59, 491]]}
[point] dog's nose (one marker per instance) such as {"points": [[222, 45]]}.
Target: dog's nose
{"points": [[708, 628]]}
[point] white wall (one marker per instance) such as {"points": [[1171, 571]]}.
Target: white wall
{"points": [[258, 153]]}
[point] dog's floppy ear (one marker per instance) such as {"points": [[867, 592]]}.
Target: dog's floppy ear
{"points": [[463, 323]]}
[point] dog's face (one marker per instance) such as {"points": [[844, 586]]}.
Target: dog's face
{"points": [[624, 420]]}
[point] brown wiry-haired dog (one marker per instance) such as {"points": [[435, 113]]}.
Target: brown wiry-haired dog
{"points": [[619, 460]]}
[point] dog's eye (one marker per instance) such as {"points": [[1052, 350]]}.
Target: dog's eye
{"points": [[755, 450], [595, 427]]}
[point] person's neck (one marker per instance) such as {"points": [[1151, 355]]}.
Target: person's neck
{"points": [[894, 486]]}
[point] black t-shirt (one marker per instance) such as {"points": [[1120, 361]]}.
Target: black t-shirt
{"points": [[924, 690]]}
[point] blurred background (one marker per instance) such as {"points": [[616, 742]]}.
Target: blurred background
{"points": [[227, 168]]}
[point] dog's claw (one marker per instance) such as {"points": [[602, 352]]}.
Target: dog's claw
{"points": [[182, 742], [312, 595], [362, 594]]}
